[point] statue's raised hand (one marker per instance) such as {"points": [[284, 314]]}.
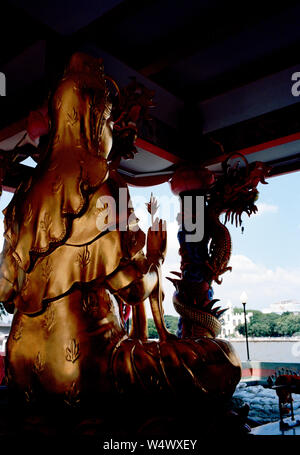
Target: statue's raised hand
{"points": [[157, 242]]}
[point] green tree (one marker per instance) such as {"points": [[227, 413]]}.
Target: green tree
{"points": [[171, 324], [152, 332], [288, 324], [271, 325], [238, 310]]}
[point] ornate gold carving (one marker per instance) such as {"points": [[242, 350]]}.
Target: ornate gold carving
{"points": [[13, 213], [47, 269], [90, 302], [17, 330], [39, 364], [46, 222], [27, 186], [58, 103], [84, 258], [72, 117], [28, 215], [57, 184], [134, 278], [72, 396], [84, 179], [52, 167], [25, 285], [29, 395], [155, 382], [72, 351], [49, 319]]}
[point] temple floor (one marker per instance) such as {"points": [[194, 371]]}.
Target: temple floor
{"points": [[123, 419]]}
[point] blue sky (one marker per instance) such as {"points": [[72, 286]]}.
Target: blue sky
{"points": [[273, 236], [265, 258]]}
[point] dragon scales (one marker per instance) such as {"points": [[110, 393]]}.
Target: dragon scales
{"points": [[231, 193]]}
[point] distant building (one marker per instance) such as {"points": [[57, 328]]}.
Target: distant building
{"points": [[281, 307], [231, 320]]}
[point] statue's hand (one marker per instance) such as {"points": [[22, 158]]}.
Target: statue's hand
{"points": [[157, 242]]}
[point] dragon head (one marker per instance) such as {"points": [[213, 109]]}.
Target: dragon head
{"points": [[236, 191]]}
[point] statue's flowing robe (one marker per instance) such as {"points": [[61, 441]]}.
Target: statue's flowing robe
{"points": [[55, 236], [62, 267]]}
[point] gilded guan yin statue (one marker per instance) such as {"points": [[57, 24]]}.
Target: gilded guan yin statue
{"points": [[69, 266]]}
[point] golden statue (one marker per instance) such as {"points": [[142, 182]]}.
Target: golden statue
{"points": [[65, 273]]}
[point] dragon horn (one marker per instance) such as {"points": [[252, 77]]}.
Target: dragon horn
{"points": [[210, 304], [174, 281], [214, 310], [177, 274], [219, 313]]}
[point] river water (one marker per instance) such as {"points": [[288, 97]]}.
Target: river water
{"points": [[269, 350], [264, 350]]}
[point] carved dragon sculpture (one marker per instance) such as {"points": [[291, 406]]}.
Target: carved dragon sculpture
{"points": [[231, 193], [234, 193]]}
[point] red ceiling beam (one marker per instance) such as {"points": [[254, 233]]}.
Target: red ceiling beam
{"points": [[158, 151], [258, 147]]}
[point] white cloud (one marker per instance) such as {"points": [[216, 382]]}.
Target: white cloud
{"points": [[266, 208], [263, 285]]}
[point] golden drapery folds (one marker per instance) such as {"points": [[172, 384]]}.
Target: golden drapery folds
{"points": [[65, 271], [41, 213]]}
